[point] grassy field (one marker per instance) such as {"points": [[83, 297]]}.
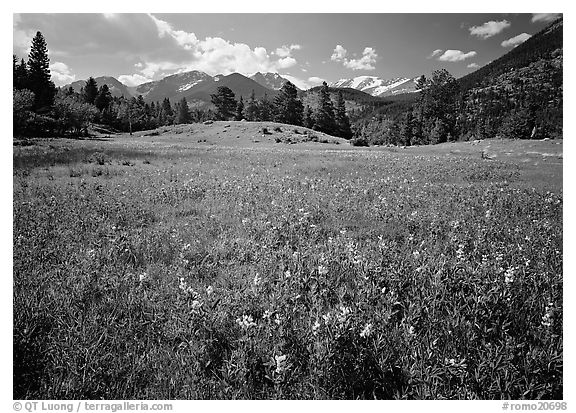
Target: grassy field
{"points": [[198, 263]]}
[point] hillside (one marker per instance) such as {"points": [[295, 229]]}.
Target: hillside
{"points": [[117, 88]]}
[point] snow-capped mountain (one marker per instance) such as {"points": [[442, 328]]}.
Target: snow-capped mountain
{"points": [[171, 85], [269, 80], [376, 86]]}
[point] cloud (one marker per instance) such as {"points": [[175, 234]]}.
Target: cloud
{"points": [[456, 55], [516, 40], [286, 62], [133, 80], [61, 74], [366, 62], [473, 66], [434, 53], [286, 51], [489, 29], [215, 55], [544, 17], [339, 54], [315, 81]]}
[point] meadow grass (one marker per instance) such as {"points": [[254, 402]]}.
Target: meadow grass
{"points": [[202, 272]]}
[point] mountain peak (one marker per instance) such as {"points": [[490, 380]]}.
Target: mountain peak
{"points": [[269, 80], [376, 86]]}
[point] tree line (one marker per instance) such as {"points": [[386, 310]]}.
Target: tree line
{"points": [[287, 108]]}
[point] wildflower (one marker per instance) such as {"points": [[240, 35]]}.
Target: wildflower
{"points": [[257, 280], [547, 317], [327, 318], [460, 252], [322, 270], [196, 305], [367, 331], [142, 277], [315, 327], [416, 254], [509, 275], [267, 314], [488, 213], [246, 321], [343, 315], [277, 319], [91, 254], [287, 274], [383, 290], [411, 330], [209, 290], [281, 364]]}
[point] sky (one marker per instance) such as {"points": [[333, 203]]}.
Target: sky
{"points": [[304, 48]]}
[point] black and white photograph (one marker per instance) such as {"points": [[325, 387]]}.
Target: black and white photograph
{"points": [[287, 206]]}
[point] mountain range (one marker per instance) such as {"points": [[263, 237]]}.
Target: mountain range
{"points": [[197, 86]]}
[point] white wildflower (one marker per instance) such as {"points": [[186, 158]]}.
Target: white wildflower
{"points": [[322, 270], [281, 363], [547, 317], [257, 280], [510, 275], [246, 321], [315, 327], [267, 314], [209, 290], [367, 331], [142, 277], [287, 274]]}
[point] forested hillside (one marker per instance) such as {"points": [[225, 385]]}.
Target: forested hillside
{"points": [[519, 95]]}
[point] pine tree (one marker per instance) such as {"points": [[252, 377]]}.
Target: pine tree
{"points": [[167, 114], [240, 110], [289, 108], [90, 91], [342, 121], [325, 121], [251, 112], [265, 109], [103, 98], [308, 117], [183, 112], [20, 75], [39, 75], [225, 103]]}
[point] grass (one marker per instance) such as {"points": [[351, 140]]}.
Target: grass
{"points": [[180, 271]]}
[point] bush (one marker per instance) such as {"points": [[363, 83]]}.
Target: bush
{"points": [[359, 141]]}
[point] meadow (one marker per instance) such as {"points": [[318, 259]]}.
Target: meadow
{"points": [[166, 267]]}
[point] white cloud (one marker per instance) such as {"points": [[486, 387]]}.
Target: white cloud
{"points": [[339, 54], [133, 80], [215, 55], [473, 66], [286, 51], [315, 81], [489, 29], [434, 53], [456, 55], [286, 62], [366, 62], [516, 40], [61, 74], [299, 83], [544, 17]]}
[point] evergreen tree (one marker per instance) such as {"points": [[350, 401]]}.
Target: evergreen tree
{"points": [[183, 112], [20, 75], [308, 117], [288, 107], [251, 112], [103, 98], [225, 103], [39, 75], [240, 110], [166, 115], [342, 121], [90, 91], [265, 109], [325, 121]]}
